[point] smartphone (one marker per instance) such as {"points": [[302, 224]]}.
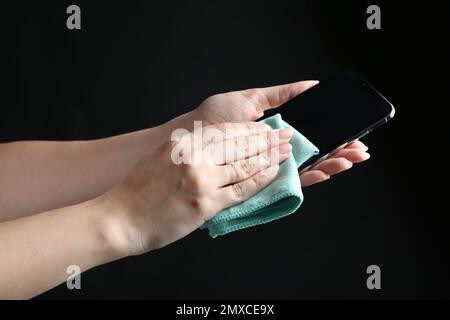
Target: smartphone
{"points": [[336, 112]]}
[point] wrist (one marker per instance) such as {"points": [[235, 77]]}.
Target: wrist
{"points": [[184, 121], [110, 227]]}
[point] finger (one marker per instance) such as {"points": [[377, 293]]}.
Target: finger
{"points": [[227, 130], [272, 97], [333, 166], [244, 169], [340, 152], [312, 177], [236, 193], [357, 145], [353, 155], [243, 147]]}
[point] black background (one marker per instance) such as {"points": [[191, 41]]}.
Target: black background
{"points": [[136, 64]]}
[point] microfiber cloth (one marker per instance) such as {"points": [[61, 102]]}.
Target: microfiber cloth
{"points": [[279, 199]]}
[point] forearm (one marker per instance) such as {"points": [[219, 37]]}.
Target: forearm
{"points": [[37, 176], [36, 250]]}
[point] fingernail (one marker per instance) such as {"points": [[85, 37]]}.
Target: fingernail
{"points": [[285, 148], [349, 164], [366, 156], [326, 177], [284, 133], [264, 127], [271, 171], [366, 148]]}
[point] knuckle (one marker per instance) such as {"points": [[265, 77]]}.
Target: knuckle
{"points": [[257, 182], [265, 159], [243, 146], [264, 141], [193, 176], [168, 146], [184, 169], [243, 169], [236, 150], [197, 204], [342, 163], [258, 111], [238, 190], [187, 170], [197, 183], [201, 207]]}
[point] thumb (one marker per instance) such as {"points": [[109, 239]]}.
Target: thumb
{"points": [[272, 97]]}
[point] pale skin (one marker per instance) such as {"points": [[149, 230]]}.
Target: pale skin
{"points": [[91, 202]]}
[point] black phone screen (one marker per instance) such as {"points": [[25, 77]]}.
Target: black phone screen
{"points": [[337, 111]]}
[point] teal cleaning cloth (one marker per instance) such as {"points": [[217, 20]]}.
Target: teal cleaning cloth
{"points": [[279, 199]]}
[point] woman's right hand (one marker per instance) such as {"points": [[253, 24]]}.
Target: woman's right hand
{"points": [[160, 202]]}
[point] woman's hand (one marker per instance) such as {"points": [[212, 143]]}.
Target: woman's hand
{"points": [[249, 105], [160, 201]]}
